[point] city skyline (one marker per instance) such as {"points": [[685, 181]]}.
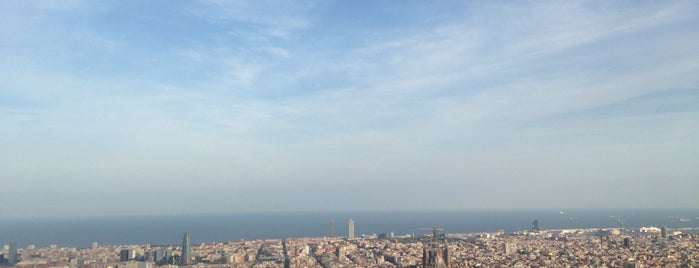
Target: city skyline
{"points": [[584, 246], [120, 108]]}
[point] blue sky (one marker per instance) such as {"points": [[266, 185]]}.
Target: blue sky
{"points": [[141, 107]]}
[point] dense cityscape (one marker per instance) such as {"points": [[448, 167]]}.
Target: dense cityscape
{"points": [[606, 247]]}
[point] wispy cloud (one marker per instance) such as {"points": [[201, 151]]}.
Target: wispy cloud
{"points": [[505, 66], [270, 17], [281, 97]]}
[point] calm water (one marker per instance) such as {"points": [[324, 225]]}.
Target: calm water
{"points": [[224, 227]]}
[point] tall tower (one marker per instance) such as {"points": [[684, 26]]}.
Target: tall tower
{"points": [[663, 231], [12, 253], [332, 228], [350, 232], [186, 250], [435, 254], [446, 254]]}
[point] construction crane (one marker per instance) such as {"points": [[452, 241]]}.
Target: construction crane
{"points": [[621, 224], [435, 254], [435, 232]]}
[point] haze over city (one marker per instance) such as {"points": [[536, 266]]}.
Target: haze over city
{"points": [[172, 107]]}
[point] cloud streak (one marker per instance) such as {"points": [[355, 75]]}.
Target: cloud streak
{"points": [[227, 101]]}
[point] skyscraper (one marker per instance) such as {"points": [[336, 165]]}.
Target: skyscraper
{"points": [[186, 250], [160, 256], [127, 254], [332, 228], [12, 253], [350, 232], [535, 225], [663, 232]]}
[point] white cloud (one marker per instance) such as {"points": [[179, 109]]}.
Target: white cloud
{"points": [[466, 56], [460, 102], [278, 51], [279, 19]]}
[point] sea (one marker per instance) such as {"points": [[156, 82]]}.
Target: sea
{"points": [[212, 228]]}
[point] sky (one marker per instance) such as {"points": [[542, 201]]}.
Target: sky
{"points": [[178, 107]]}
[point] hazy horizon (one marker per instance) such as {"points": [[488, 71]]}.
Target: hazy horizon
{"points": [[212, 228], [161, 107], [566, 212]]}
